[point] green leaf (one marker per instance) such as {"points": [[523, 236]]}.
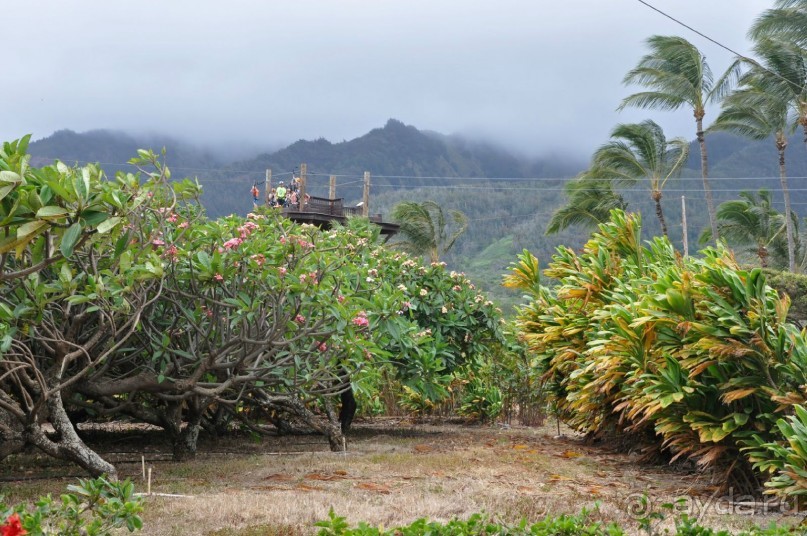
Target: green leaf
{"points": [[107, 225], [5, 190], [60, 190], [204, 260], [65, 274], [125, 261], [70, 239], [30, 228], [52, 212], [93, 217], [10, 177]]}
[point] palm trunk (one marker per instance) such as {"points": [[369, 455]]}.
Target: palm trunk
{"points": [[707, 188], [781, 145], [656, 195]]}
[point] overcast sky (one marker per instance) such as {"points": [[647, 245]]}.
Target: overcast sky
{"points": [[536, 75]]}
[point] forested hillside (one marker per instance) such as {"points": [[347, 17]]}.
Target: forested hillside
{"points": [[508, 199]]}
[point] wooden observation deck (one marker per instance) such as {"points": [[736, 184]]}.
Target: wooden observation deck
{"points": [[322, 212]]}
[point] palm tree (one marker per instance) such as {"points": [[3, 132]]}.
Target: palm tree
{"points": [[590, 203], [786, 21], [757, 110], [425, 230], [640, 152], [677, 74], [750, 221]]}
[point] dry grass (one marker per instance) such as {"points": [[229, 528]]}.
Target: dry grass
{"points": [[394, 474]]}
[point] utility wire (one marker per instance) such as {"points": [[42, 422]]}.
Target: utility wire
{"points": [[359, 179], [743, 57], [690, 28]]}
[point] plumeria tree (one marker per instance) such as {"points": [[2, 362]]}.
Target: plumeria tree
{"points": [[121, 299], [73, 290], [256, 311]]}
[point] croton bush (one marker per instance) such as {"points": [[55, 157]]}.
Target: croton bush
{"points": [[693, 356]]}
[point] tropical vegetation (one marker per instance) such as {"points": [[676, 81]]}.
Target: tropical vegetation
{"points": [[676, 74], [550, 525], [425, 229], [693, 357], [122, 300]]}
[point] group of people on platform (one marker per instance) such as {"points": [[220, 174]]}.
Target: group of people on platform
{"points": [[282, 196]]}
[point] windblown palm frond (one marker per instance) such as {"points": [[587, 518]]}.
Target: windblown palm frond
{"points": [[676, 74], [787, 21], [750, 221], [424, 229], [640, 152], [590, 203], [762, 108]]}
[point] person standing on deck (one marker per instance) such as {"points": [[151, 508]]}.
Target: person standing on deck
{"points": [[255, 194], [281, 194]]}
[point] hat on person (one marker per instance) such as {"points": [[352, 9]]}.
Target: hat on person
{"points": [[281, 182]]}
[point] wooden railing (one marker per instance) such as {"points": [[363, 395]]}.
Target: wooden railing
{"points": [[333, 207], [322, 205]]}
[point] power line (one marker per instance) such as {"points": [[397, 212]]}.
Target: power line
{"points": [[359, 179], [690, 28], [551, 189], [721, 45]]}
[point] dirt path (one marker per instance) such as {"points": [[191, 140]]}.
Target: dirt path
{"points": [[396, 472]]}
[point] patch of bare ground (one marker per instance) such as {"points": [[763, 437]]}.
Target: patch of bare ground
{"points": [[393, 473]]}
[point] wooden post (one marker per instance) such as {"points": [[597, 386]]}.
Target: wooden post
{"points": [[332, 187], [365, 208], [301, 189], [267, 186], [684, 224]]}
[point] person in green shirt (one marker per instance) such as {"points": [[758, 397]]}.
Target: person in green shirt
{"points": [[281, 194]]}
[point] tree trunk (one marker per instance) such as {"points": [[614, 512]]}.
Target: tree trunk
{"points": [[707, 188], [69, 446], [656, 195], [184, 440], [331, 427], [781, 145], [185, 445], [11, 435]]}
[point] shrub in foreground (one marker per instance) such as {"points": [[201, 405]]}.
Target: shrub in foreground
{"points": [[90, 508], [564, 525]]}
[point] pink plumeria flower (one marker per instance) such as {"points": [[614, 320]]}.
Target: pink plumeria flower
{"points": [[361, 319], [218, 277]]}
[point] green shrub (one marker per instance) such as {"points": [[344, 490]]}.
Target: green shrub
{"points": [[564, 525], [90, 508], [476, 525], [692, 355]]}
